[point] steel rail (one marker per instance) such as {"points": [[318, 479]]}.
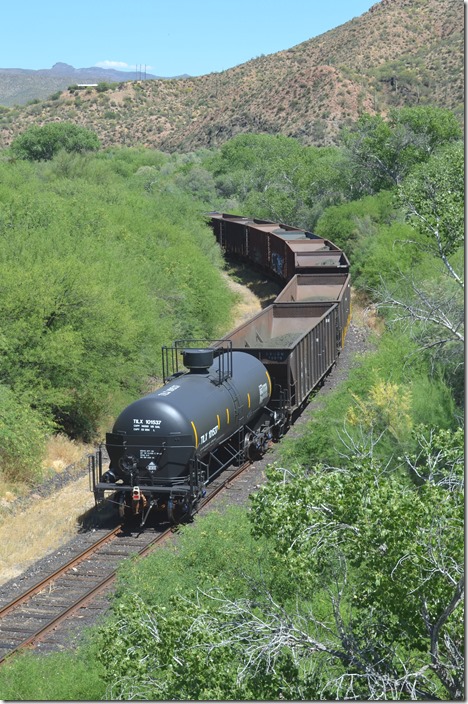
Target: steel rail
{"points": [[104, 583], [79, 603], [39, 586]]}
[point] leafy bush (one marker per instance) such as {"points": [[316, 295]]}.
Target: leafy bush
{"points": [[23, 433], [104, 86], [42, 143], [330, 433], [95, 277], [347, 223], [384, 256]]}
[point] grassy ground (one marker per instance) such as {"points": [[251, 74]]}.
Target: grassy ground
{"points": [[42, 527]]}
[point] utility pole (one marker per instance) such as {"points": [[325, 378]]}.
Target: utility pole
{"points": [[139, 73]]}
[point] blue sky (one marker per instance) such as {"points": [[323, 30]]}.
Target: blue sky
{"points": [[170, 37]]}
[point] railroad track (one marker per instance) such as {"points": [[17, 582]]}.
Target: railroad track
{"points": [[64, 595]]}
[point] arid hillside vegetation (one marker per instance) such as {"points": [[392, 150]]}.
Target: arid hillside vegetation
{"points": [[399, 53]]}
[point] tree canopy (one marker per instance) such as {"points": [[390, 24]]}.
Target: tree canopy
{"points": [[41, 143], [383, 151]]}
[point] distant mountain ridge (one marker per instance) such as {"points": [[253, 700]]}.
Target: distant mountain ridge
{"points": [[62, 69], [20, 85], [399, 53]]}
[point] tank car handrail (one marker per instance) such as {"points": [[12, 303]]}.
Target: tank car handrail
{"points": [[170, 356]]}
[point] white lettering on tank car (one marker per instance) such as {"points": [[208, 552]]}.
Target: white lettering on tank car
{"points": [[210, 434], [263, 390], [170, 390], [146, 426], [147, 454]]}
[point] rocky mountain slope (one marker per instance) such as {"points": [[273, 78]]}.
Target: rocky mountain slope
{"points": [[399, 53]]}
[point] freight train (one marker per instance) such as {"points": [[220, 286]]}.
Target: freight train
{"points": [[223, 401]]}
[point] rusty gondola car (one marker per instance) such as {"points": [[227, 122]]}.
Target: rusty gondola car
{"points": [[280, 250], [321, 288], [298, 343]]}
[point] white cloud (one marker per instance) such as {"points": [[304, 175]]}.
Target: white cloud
{"points": [[112, 64]]}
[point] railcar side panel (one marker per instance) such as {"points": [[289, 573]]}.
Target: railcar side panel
{"points": [[297, 343], [280, 260], [321, 288], [235, 237]]}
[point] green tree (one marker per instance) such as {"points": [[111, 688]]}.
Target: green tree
{"points": [[382, 152], [433, 198], [277, 178], [389, 554], [42, 143], [429, 300]]}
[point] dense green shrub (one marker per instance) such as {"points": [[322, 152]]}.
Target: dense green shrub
{"points": [[104, 86], [23, 432], [349, 223], [42, 143], [393, 376], [384, 255], [95, 277]]}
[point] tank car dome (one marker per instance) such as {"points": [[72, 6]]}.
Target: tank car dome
{"points": [[152, 415], [198, 359]]}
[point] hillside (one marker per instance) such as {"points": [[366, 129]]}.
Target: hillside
{"points": [[19, 86], [400, 52]]}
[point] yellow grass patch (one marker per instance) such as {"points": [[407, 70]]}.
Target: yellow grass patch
{"points": [[247, 304], [62, 452], [42, 527]]}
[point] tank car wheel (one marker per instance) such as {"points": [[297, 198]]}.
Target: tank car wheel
{"points": [[246, 449], [257, 448], [182, 512], [249, 450]]}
